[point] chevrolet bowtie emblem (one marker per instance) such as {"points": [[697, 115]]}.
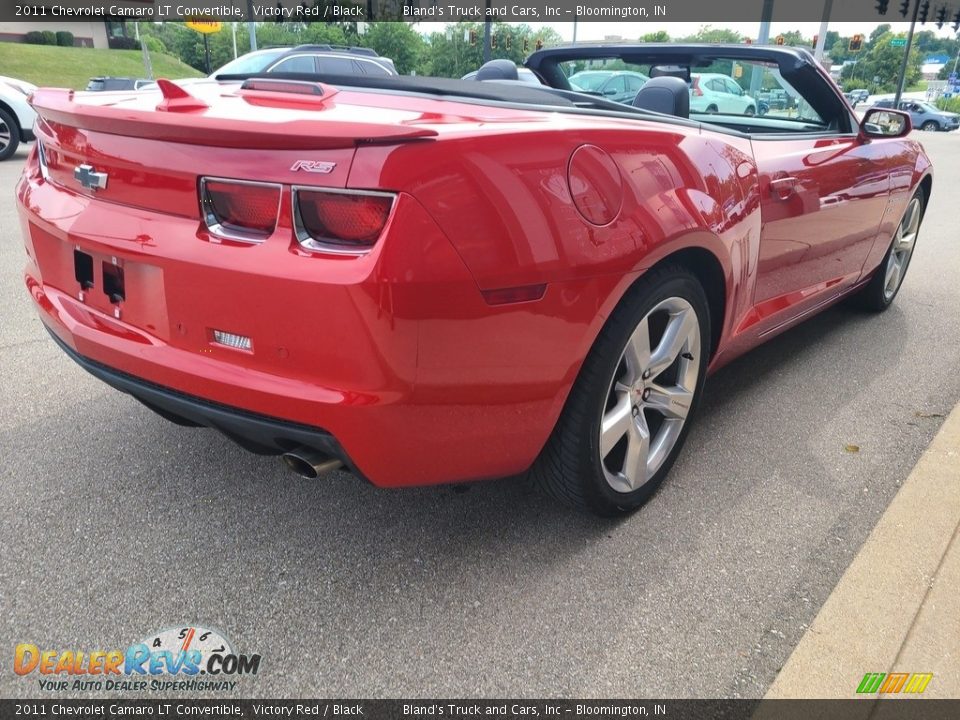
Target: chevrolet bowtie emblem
{"points": [[89, 178]]}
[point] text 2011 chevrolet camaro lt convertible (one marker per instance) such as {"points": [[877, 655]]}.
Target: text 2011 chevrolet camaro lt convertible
{"points": [[444, 280]]}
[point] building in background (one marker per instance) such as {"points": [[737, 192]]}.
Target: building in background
{"points": [[92, 33]]}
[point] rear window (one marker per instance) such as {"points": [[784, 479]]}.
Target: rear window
{"points": [[251, 63], [373, 68], [337, 65], [296, 64]]}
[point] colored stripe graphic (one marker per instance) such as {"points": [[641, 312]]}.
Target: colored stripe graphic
{"points": [[918, 682], [894, 682], [871, 682], [885, 684]]}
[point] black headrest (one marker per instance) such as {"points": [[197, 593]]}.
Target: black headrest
{"points": [[498, 70], [677, 71], [667, 95]]}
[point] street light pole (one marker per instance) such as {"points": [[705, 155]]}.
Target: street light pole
{"points": [[906, 55]]}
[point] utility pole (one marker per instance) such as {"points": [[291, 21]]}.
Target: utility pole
{"points": [[822, 36], [251, 26], [906, 55], [574, 27], [766, 15], [486, 34]]}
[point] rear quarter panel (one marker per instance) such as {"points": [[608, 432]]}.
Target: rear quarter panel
{"points": [[504, 197]]}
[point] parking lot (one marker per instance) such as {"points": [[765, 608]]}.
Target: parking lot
{"points": [[115, 523]]}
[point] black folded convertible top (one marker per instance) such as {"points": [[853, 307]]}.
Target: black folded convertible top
{"points": [[500, 91]]}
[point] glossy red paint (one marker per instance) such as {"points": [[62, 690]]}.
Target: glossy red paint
{"points": [[399, 352]]}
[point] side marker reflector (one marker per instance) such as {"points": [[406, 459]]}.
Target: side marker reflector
{"points": [[506, 296]]}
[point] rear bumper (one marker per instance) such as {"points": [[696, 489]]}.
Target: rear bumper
{"points": [[257, 433], [393, 363]]}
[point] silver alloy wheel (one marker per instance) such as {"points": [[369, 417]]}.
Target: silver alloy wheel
{"points": [[904, 240], [4, 135], [650, 394]]}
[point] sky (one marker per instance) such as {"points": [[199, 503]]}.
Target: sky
{"points": [[630, 31]]}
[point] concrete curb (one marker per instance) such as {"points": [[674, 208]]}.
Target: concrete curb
{"points": [[897, 607]]}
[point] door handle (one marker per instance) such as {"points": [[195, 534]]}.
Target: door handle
{"points": [[783, 187]]}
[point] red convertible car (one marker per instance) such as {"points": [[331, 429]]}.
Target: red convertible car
{"points": [[437, 280]]}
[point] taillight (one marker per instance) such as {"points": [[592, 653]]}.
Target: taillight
{"points": [[239, 209], [697, 92], [340, 220]]}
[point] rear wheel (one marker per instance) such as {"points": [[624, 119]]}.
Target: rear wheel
{"points": [[629, 411], [930, 126], [750, 110], [878, 294], [9, 135], [712, 108]]}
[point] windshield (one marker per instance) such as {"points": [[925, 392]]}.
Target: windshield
{"points": [[928, 107], [250, 63], [590, 81]]}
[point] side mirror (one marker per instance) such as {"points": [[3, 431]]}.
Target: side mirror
{"points": [[885, 123], [610, 91]]}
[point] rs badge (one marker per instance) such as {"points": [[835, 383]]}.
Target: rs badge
{"points": [[314, 166]]}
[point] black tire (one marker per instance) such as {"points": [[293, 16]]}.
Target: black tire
{"points": [[569, 467], [750, 111], [712, 109], [8, 124], [873, 296], [930, 126]]}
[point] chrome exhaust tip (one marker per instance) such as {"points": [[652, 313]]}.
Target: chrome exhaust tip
{"points": [[309, 463]]}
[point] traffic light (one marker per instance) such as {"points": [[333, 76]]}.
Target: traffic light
{"points": [[493, 41], [924, 11], [882, 6], [856, 43], [815, 38], [473, 37], [780, 40], [941, 17], [539, 44], [904, 7], [508, 41], [526, 44]]}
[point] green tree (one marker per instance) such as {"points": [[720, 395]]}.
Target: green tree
{"points": [[710, 34], [397, 41], [879, 31], [882, 61], [660, 36]]}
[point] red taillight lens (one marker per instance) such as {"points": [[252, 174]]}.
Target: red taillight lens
{"points": [[697, 92], [351, 220], [245, 210]]}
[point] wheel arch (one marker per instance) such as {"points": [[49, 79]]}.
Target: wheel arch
{"points": [[708, 270], [10, 111]]}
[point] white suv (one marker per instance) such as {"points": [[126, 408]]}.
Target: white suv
{"points": [[715, 93], [16, 115]]}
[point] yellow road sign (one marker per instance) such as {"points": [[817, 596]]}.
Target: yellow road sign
{"points": [[203, 26]]}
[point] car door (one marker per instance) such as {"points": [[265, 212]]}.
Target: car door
{"points": [[822, 199], [616, 88], [736, 102]]}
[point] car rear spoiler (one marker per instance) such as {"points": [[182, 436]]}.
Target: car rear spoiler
{"points": [[200, 125]]}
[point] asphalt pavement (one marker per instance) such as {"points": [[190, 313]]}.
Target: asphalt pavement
{"points": [[115, 523]]}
